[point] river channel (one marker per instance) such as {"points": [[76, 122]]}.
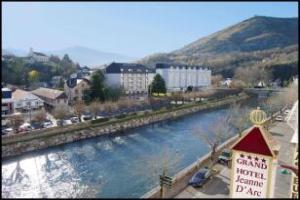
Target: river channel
{"points": [[112, 165]]}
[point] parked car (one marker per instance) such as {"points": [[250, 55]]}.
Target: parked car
{"points": [[47, 124], [279, 118], [287, 111], [200, 177], [7, 131], [225, 157], [74, 119], [25, 127], [59, 122], [37, 125], [66, 122], [99, 117], [87, 117]]}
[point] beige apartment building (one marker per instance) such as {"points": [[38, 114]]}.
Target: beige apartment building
{"points": [[75, 87]]}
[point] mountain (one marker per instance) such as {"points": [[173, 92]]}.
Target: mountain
{"points": [[258, 39], [90, 57]]}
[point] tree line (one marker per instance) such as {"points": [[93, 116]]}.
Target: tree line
{"points": [[18, 71]]}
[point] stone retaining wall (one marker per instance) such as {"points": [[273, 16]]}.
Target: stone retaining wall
{"points": [[45, 139]]}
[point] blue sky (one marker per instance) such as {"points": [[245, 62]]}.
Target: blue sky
{"points": [[135, 29]]}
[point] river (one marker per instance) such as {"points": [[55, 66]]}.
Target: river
{"points": [[112, 165]]}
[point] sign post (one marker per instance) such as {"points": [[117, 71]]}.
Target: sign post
{"points": [[253, 167], [164, 181]]}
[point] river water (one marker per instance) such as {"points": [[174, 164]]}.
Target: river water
{"points": [[113, 165]]}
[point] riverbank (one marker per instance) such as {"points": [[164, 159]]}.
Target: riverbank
{"points": [[19, 144], [182, 177]]}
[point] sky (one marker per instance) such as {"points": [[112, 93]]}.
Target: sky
{"points": [[135, 29]]}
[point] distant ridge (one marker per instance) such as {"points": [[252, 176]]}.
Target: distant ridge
{"points": [[255, 40]]}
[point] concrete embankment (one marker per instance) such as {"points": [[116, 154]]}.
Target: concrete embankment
{"points": [[181, 178], [21, 143]]}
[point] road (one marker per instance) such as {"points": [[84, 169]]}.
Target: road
{"points": [[218, 187]]}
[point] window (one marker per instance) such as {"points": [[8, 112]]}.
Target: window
{"points": [[76, 91]]}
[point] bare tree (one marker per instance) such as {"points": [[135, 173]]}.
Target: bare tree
{"points": [[252, 75], [79, 108], [16, 121], [215, 80], [238, 84], [177, 96], [239, 117], [60, 112], [164, 163], [110, 106], [291, 95], [40, 116], [95, 107], [281, 99], [214, 135]]}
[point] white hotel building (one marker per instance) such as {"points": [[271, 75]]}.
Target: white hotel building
{"points": [[179, 77], [133, 78]]}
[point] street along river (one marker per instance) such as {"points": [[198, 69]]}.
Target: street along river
{"points": [[112, 165]]}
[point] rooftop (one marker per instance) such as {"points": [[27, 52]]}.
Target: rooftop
{"points": [[49, 93], [19, 94], [257, 141], [6, 90], [166, 66], [128, 68], [72, 82], [39, 54]]}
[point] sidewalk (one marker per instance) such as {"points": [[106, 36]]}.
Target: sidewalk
{"points": [[283, 134]]}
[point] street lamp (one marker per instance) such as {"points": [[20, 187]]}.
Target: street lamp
{"points": [[164, 181], [29, 108]]}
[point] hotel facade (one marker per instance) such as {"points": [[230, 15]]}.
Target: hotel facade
{"points": [[133, 78], [179, 77]]}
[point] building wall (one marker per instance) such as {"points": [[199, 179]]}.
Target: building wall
{"points": [[60, 102], [7, 108], [177, 78], [134, 82], [55, 102], [130, 82], [113, 80], [76, 93], [40, 58], [150, 77], [33, 103]]}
